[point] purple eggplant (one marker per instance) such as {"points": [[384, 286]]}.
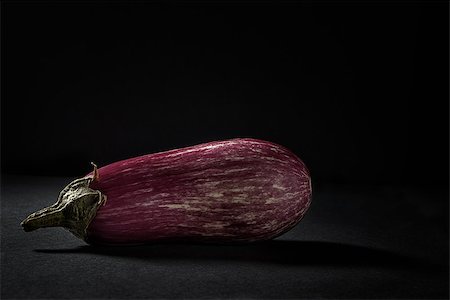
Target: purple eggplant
{"points": [[238, 190]]}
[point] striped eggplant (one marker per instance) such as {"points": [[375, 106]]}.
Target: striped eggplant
{"points": [[237, 190]]}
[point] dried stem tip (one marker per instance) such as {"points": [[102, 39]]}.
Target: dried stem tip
{"points": [[76, 207]]}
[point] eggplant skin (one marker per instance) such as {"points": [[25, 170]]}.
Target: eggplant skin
{"points": [[237, 190]]}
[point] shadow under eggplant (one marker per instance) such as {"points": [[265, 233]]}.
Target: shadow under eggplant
{"points": [[306, 253]]}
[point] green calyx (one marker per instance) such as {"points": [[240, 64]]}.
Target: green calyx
{"points": [[76, 207]]}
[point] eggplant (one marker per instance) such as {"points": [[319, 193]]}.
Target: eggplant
{"points": [[238, 190]]}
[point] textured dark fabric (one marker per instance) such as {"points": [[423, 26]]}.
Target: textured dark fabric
{"points": [[355, 242]]}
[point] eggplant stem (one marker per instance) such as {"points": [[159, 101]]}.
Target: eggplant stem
{"points": [[76, 207], [46, 217], [95, 176]]}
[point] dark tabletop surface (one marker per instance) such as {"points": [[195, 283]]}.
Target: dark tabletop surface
{"points": [[355, 242]]}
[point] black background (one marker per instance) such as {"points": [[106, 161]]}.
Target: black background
{"points": [[358, 90]]}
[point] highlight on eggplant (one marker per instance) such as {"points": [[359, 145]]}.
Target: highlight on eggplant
{"points": [[238, 190]]}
